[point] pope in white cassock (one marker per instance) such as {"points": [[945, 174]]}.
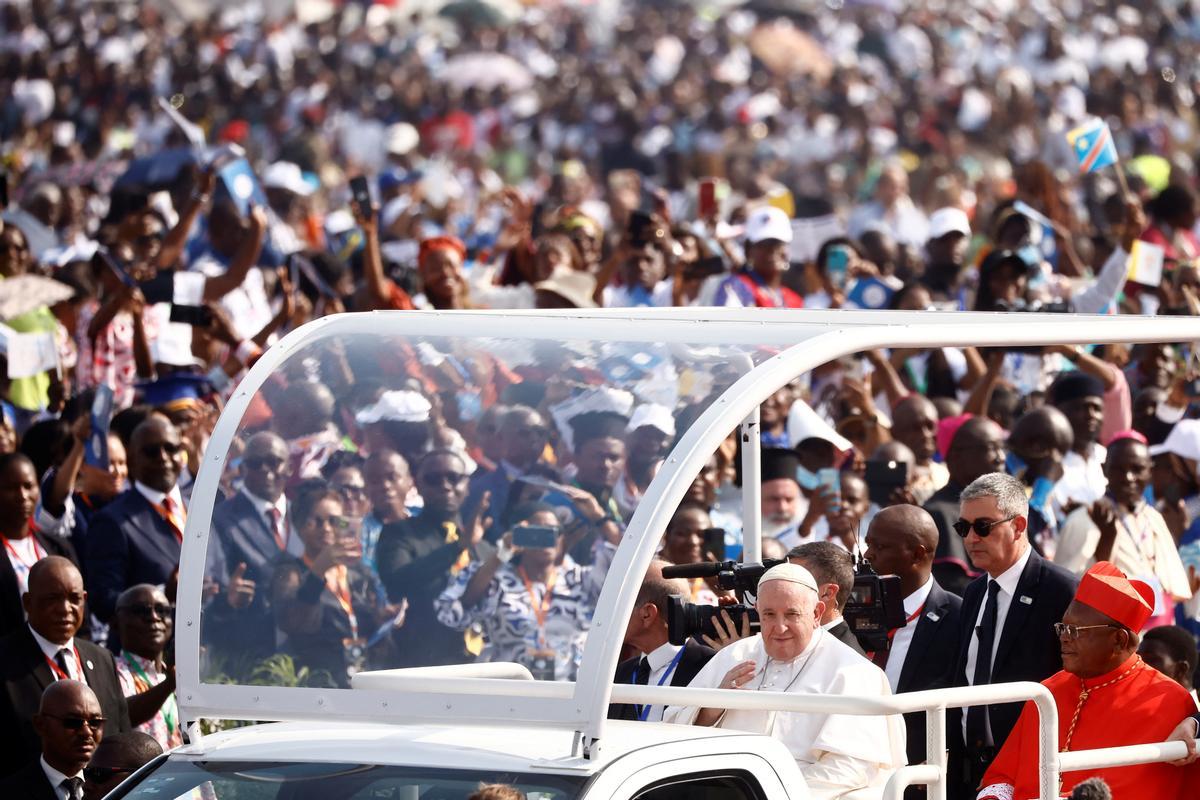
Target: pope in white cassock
{"points": [[836, 753]]}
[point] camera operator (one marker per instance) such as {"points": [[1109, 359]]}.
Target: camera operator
{"points": [[833, 568], [658, 661], [835, 753]]}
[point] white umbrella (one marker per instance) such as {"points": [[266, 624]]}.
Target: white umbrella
{"points": [[486, 71], [24, 293]]}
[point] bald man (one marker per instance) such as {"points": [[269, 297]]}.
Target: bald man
{"points": [[1039, 441], [914, 425], [136, 538], [116, 758], [70, 724], [902, 541], [46, 650]]}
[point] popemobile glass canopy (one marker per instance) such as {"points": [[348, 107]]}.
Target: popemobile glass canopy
{"points": [[411, 595]]}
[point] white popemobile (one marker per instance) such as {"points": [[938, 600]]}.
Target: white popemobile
{"points": [[434, 733]]}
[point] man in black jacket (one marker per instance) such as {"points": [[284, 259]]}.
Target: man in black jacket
{"points": [[901, 541], [47, 650], [70, 725], [1008, 618], [418, 556], [833, 568], [658, 663]]}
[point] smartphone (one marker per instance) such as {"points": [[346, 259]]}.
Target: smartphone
{"points": [[196, 316], [535, 536], [3, 190], [705, 268], [883, 478], [829, 481], [360, 194], [707, 205], [837, 265], [714, 543], [641, 227]]}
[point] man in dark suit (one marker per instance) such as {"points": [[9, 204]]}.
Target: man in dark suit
{"points": [[901, 541], [23, 546], [70, 725], [115, 759], [833, 568], [658, 662], [975, 448], [46, 650], [1008, 614], [252, 530], [136, 538]]}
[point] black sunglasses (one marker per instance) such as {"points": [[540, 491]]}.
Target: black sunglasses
{"points": [[170, 448], [273, 464], [75, 723], [102, 775], [147, 610], [982, 527]]}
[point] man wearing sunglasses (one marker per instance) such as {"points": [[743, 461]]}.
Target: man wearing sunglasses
{"points": [[1008, 617], [145, 621], [116, 758], [70, 725], [137, 537], [46, 650], [1106, 695]]}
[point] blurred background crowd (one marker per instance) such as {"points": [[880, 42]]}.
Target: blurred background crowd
{"points": [[180, 192]]}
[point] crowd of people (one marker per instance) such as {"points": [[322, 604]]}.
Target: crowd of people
{"points": [[180, 193]]}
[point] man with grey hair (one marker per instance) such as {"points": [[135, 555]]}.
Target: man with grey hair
{"points": [[836, 753], [1008, 617]]}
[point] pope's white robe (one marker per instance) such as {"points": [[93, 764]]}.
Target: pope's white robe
{"points": [[836, 753]]}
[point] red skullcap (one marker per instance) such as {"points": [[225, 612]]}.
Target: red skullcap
{"points": [[1106, 589]]}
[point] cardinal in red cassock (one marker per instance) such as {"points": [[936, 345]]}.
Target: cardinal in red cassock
{"points": [[1106, 697]]}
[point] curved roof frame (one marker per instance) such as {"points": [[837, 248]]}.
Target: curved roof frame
{"points": [[811, 339]]}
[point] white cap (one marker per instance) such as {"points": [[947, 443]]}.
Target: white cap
{"points": [[949, 220], [1183, 441], [791, 573], [402, 138], [287, 176], [768, 222], [654, 416], [804, 423], [401, 406]]}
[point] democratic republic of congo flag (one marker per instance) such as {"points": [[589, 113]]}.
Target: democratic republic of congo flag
{"points": [[1093, 145]]}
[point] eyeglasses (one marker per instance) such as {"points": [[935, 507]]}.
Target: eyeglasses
{"points": [[102, 775], [337, 522], [147, 611], [982, 527], [75, 723], [1071, 632], [170, 448], [264, 462], [351, 490]]}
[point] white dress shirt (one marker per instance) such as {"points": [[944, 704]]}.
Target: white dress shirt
{"points": [[74, 668], [156, 497], [904, 636], [661, 658], [1008, 581], [292, 544], [56, 778]]}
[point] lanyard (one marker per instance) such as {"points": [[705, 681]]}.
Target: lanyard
{"points": [[38, 552], [644, 711], [169, 707], [339, 587], [58, 671], [892, 633], [540, 610]]}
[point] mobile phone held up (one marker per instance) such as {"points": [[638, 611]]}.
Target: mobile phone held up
{"points": [[535, 536], [883, 478], [360, 196]]}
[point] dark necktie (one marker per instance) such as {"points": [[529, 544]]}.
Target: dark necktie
{"points": [[60, 658], [977, 716], [277, 528], [642, 674], [73, 787]]}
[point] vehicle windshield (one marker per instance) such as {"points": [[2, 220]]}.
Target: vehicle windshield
{"points": [[268, 780]]}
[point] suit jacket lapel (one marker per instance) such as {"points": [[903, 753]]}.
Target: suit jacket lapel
{"points": [[252, 535], [155, 528], [36, 659], [1018, 611], [926, 629]]}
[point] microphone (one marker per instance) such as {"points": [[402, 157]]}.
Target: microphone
{"points": [[1091, 789], [707, 569]]}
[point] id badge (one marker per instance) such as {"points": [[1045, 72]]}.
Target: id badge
{"points": [[540, 664]]}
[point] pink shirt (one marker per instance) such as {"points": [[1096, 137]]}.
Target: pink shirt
{"points": [[1118, 407]]}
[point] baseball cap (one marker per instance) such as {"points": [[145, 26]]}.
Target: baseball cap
{"points": [[948, 220], [766, 223], [287, 176]]}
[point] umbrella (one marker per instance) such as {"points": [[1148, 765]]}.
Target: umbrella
{"points": [[489, 13], [486, 71], [26, 293], [159, 171], [787, 50]]}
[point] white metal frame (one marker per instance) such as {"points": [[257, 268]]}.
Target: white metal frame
{"points": [[812, 338]]}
